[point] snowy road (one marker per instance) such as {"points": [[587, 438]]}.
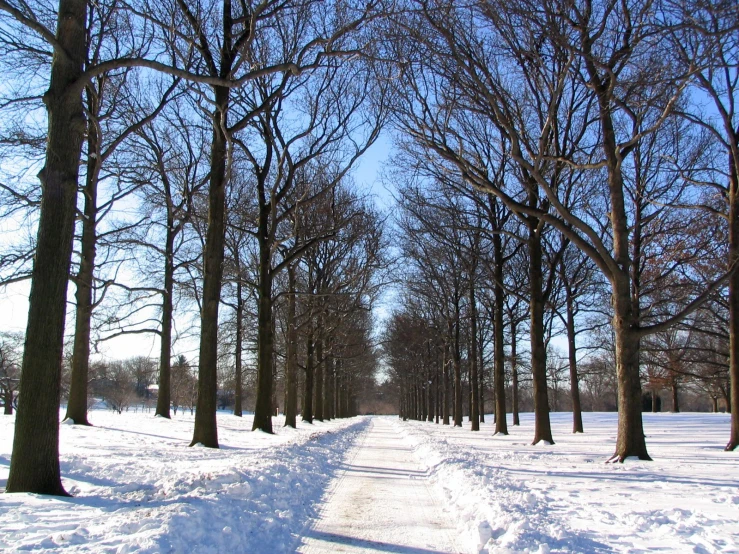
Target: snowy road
{"points": [[381, 502]]}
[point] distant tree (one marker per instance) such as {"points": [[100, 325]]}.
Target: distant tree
{"points": [[117, 385], [10, 371]]}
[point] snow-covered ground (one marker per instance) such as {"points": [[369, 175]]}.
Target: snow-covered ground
{"points": [[509, 496], [138, 487]]}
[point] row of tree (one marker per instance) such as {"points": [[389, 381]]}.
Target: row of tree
{"points": [[549, 150], [544, 150], [209, 145]]}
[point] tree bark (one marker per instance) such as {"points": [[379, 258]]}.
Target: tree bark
{"points": [[457, 359], [77, 401], [501, 423], [542, 427], [445, 371], [318, 401], [577, 426], [263, 409], [291, 363], [206, 428], [733, 256], [328, 387], [34, 464], [514, 372], [307, 415], [239, 347], [630, 440], [164, 393], [474, 384]]}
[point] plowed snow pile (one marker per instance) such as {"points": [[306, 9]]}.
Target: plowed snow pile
{"points": [[509, 496], [138, 487]]}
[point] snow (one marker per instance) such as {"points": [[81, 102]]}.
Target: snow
{"points": [[509, 496], [381, 502], [139, 488]]}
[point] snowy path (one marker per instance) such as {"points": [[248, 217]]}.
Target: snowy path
{"points": [[381, 502]]}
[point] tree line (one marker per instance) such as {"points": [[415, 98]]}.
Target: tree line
{"points": [[558, 166], [193, 155], [562, 161]]}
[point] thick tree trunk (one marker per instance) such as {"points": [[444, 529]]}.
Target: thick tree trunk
{"points": [[501, 423], [430, 396], [8, 402], [475, 391], [238, 393], [165, 347], [318, 401], [291, 363], [481, 375], [734, 297], [630, 440], [542, 427], [328, 392], [338, 385], [574, 379], [445, 371], [457, 355], [206, 427], [77, 401], [263, 409], [307, 415], [34, 464], [675, 400], [654, 400], [514, 373]]}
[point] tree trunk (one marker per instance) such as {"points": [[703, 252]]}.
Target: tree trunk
{"points": [[8, 401], [654, 400], [514, 372], [291, 363], [456, 353], [328, 392], [34, 464], [445, 371], [675, 401], [474, 384], [577, 426], [338, 384], [481, 374], [733, 255], [77, 401], [501, 423], [308, 391], [264, 407], [238, 349], [630, 441], [542, 427], [206, 427], [318, 401], [164, 393]]}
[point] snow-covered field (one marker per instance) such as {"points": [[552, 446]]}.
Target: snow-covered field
{"points": [[139, 488], [509, 496]]}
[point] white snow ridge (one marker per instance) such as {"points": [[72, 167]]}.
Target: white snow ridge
{"points": [[379, 485]]}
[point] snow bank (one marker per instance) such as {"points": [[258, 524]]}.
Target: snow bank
{"points": [[139, 488], [509, 496]]}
